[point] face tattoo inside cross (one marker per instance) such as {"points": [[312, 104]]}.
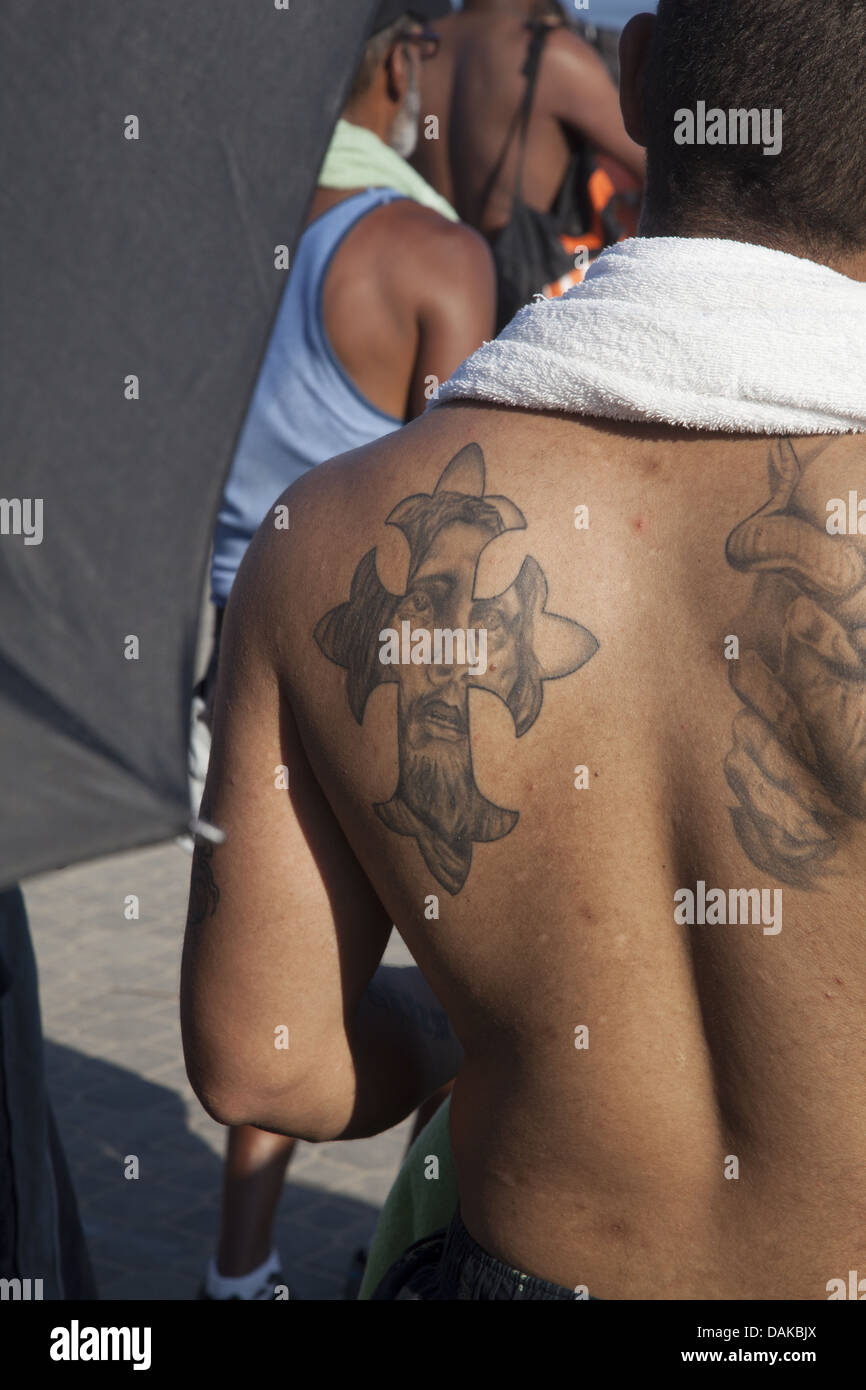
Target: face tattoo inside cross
{"points": [[437, 801]]}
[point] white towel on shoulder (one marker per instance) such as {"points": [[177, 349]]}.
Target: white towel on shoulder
{"points": [[706, 334]]}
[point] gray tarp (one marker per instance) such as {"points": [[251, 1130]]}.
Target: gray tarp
{"points": [[40, 1228], [150, 257]]}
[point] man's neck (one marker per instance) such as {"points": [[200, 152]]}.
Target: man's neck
{"points": [[852, 265], [370, 116]]}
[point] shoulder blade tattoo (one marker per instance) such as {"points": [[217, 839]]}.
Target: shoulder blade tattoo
{"points": [[437, 801], [798, 764]]}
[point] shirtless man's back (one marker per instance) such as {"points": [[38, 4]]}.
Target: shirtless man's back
{"points": [[622, 833], [600, 1164]]}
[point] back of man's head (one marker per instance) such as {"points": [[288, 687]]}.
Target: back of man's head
{"points": [[374, 53], [798, 67], [391, 19]]}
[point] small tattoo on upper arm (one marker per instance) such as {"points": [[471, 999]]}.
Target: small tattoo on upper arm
{"points": [[437, 801], [204, 893], [798, 765]]}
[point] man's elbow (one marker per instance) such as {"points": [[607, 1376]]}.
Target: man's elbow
{"points": [[226, 1107], [301, 1109]]}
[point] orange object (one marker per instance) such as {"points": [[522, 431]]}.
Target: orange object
{"points": [[602, 194]]}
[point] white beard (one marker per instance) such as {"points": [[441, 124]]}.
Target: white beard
{"points": [[404, 135]]}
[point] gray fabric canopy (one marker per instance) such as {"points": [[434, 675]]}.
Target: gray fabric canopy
{"points": [[154, 154]]}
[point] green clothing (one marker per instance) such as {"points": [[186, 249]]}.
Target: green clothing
{"points": [[357, 158], [419, 1202]]}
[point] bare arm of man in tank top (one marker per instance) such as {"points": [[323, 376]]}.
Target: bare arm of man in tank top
{"points": [[408, 296]]}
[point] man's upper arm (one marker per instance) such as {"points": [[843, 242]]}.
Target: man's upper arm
{"points": [[285, 931], [578, 90], [455, 292]]}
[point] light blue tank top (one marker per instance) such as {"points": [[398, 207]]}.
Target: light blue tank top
{"points": [[305, 407]]}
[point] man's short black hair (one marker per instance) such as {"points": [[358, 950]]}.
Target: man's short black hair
{"points": [[805, 58]]}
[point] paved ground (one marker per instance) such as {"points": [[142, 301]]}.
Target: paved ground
{"points": [[118, 1086]]}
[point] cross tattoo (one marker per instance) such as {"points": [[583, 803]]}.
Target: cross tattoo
{"points": [[437, 801]]}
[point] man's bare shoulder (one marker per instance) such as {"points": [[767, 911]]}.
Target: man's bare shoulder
{"points": [[321, 516], [319, 530], [344, 498], [568, 59], [504, 40], [423, 241], [341, 500], [346, 490]]}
